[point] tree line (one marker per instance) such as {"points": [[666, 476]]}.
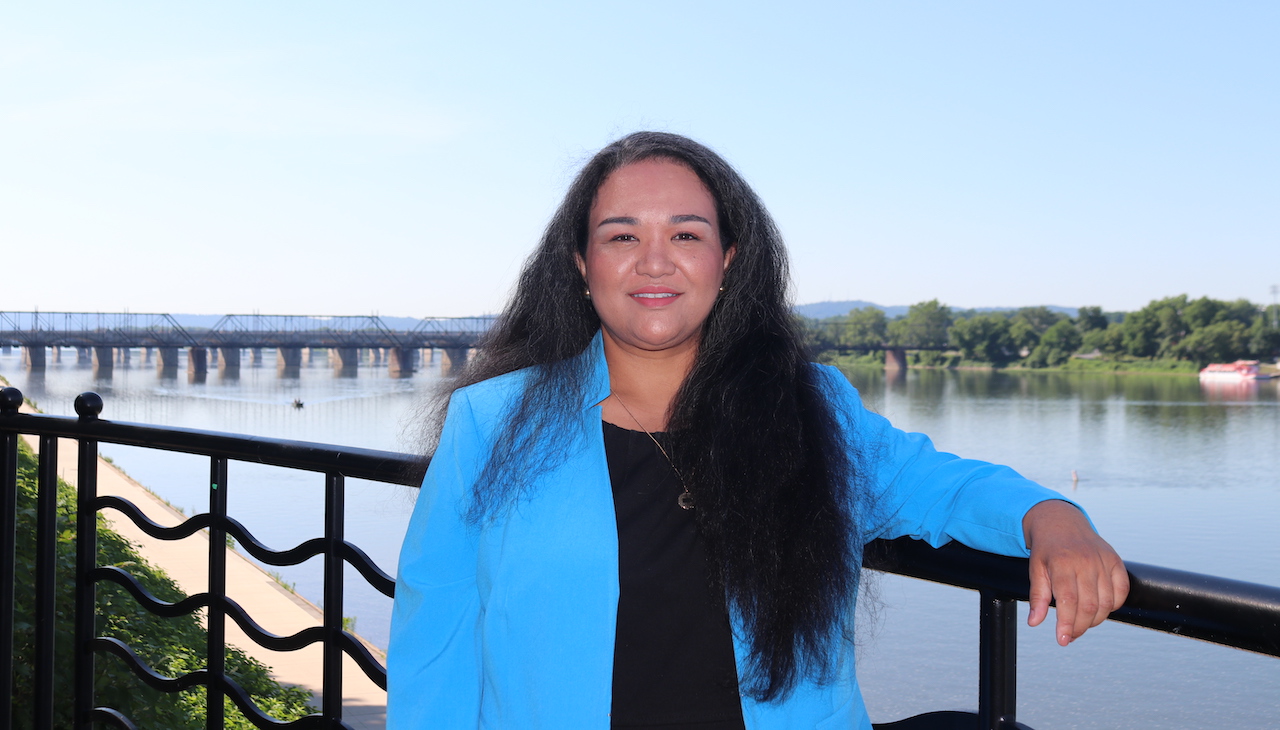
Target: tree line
{"points": [[1200, 330]]}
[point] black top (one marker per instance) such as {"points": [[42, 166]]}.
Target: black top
{"points": [[673, 664]]}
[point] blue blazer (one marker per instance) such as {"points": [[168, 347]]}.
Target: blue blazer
{"points": [[510, 624]]}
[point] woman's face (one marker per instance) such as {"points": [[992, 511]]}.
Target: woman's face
{"points": [[654, 260]]}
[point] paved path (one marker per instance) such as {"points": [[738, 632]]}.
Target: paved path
{"points": [[276, 609]]}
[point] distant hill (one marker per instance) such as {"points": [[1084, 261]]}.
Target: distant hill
{"points": [[822, 310]]}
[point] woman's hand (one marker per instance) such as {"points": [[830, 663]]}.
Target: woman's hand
{"points": [[1073, 565]]}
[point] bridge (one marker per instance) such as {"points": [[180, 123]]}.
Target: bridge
{"points": [[843, 338], [105, 339]]}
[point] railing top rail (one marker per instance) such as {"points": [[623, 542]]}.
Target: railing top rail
{"points": [[383, 466], [1234, 613]]}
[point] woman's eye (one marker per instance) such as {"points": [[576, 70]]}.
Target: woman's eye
{"points": [[623, 237], [686, 237]]}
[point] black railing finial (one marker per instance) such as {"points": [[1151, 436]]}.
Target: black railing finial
{"points": [[10, 401], [88, 406]]}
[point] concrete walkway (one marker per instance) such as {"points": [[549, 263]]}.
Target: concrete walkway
{"points": [[275, 608]]}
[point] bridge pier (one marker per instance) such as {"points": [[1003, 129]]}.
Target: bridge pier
{"points": [[55, 354], [33, 357], [167, 358], [428, 356], [454, 360], [304, 357], [895, 358], [344, 359], [255, 356], [228, 357], [121, 356], [197, 361], [103, 359], [84, 356], [400, 361], [288, 357]]}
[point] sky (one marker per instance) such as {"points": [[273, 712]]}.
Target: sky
{"points": [[402, 158]]}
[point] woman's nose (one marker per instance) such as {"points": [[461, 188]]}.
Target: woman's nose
{"points": [[655, 258]]}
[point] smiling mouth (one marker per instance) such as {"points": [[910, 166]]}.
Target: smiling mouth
{"points": [[654, 295]]}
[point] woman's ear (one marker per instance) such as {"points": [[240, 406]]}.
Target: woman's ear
{"points": [[729, 253], [582, 265]]}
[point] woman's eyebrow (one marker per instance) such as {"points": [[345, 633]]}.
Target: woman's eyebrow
{"points": [[629, 221], [689, 218]]}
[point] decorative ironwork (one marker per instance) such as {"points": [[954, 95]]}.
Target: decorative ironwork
{"points": [[89, 431]]}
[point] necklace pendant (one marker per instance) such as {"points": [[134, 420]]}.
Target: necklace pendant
{"points": [[685, 500]]}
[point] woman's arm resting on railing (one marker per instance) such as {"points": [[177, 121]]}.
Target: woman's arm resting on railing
{"points": [[1075, 567]]}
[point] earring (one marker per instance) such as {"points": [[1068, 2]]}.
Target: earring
{"points": [[721, 287], [587, 293]]}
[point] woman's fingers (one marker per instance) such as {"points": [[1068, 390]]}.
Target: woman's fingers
{"points": [[1073, 565], [1041, 594]]}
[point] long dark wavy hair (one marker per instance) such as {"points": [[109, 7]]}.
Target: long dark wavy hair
{"points": [[751, 429]]}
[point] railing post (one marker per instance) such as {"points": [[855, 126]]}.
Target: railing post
{"points": [[216, 648], [12, 400], [88, 406], [46, 577], [334, 511], [997, 662]]}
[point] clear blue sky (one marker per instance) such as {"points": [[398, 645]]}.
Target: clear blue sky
{"points": [[349, 158]]}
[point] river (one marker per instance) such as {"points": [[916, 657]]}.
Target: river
{"points": [[1172, 473]]}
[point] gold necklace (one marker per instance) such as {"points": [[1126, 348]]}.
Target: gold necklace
{"points": [[685, 500]]}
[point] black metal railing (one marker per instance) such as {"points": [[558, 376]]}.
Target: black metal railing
{"points": [[1232, 613], [1220, 610], [337, 464]]}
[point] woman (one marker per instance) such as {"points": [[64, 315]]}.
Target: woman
{"points": [[647, 508]]}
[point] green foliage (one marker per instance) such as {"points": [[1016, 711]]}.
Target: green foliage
{"points": [[1089, 319], [925, 325], [1056, 346], [985, 338], [1225, 341], [1023, 334], [934, 359], [170, 646], [1196, 331], [866, 326], [1264, 335], [1108, 341], [859, 328], [1039, 319], [874, 359]]}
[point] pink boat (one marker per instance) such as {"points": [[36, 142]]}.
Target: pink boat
{"points": [[1238, 370]]}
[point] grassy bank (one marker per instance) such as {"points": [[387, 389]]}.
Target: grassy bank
{"points": [[929, 360]]}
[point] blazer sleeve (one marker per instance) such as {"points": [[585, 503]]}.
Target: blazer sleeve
{"points": [[433, 665], [930, 495]]}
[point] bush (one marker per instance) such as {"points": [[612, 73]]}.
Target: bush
{"points": [[1056, 346], [171, 647]]}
